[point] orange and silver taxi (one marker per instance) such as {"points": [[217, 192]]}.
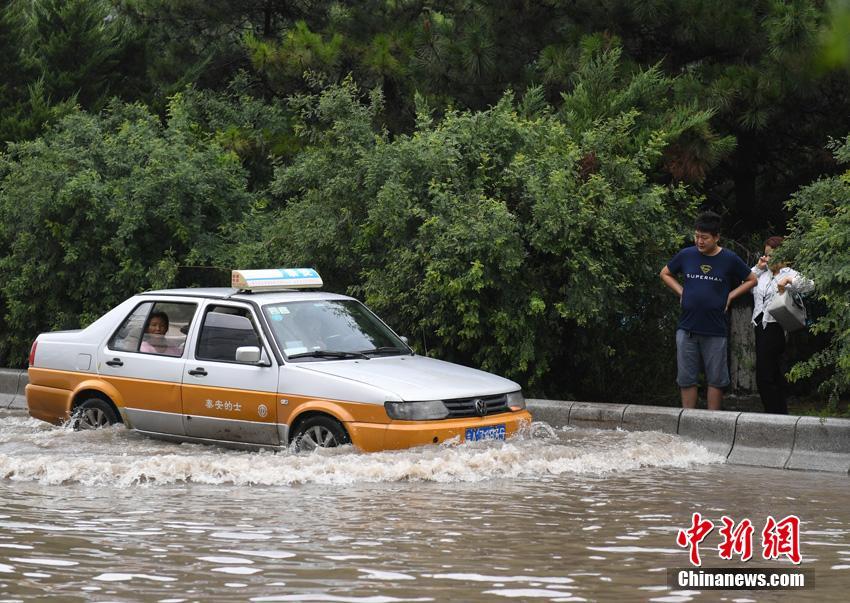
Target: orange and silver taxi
{"points": [[264, 363]]}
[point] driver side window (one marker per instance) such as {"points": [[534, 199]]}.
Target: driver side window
{"points": [[224, 330]]}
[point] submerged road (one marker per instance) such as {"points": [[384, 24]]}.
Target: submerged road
{"points": [[556, 515]]}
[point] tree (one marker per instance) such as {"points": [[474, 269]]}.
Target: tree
{"points": [[506, 239], [101, 208], [755, 63], [24, 103], [258, 131], [13, 75], [76, 47], [202, 43], [819, 244], [58, 54], [836, 37]]}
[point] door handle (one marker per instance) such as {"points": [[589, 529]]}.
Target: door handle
{"points": [[115, 362], [198, 372]]}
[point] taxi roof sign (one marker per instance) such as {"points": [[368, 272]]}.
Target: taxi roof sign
{"points": [[275, 279]]}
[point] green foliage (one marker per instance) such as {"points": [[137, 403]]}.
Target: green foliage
{"points": [[57, 54], [17, 99], [300, 50], [503, 239], [258, 132], [101, 208], [76, 46], [195, 42], [30, 113], [12, 70], [438, 177], [604, 88], [835, 37], [752, 63], [819, 243]]}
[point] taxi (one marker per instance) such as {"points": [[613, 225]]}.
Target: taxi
{"points": [[267, 362]]}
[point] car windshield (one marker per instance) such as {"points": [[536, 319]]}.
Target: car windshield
{"points": [[330, 330]]}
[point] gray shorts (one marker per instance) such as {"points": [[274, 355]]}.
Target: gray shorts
{"points": [[692, 350]]}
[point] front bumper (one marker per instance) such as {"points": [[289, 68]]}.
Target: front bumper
{"points": [[372, 437]]}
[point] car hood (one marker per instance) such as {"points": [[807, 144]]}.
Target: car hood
{"points": [[416, 377]]}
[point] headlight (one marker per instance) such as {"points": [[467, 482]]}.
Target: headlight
{"points": [[516, 401], [417, 411]]}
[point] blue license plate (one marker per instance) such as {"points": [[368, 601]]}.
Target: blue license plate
{"points": [[493, 432]]}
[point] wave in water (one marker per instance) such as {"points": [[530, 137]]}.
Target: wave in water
{"points": [[34, 451]]}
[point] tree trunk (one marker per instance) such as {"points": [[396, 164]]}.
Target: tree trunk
{"points": [[742, 347]]}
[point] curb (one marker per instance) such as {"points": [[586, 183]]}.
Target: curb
{"points": [[12, 384], [744, 438], [763, 440], [715, 430], [820, 444]]}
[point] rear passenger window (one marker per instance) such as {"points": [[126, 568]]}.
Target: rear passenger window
{"points": [[155, 328], [225, 329], [129, 335]]}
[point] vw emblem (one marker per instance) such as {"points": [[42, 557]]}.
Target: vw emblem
{"points": [[480, 407], [262, 410]]}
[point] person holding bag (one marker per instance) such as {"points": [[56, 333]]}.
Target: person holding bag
{"points": [[774, 279]]}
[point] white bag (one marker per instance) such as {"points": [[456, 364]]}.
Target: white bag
{"points": [[788, 310]]}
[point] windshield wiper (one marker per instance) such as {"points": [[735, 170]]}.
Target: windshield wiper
{"points": [[386, 350], [328, 354]]}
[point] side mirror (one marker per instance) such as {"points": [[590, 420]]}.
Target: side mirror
{"points": [[249, 354]]}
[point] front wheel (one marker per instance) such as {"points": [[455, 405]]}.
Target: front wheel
{"points": [[319, 431], [94, 413]]}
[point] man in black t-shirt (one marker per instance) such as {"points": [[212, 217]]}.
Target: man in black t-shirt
{"points": [[701, 336]]}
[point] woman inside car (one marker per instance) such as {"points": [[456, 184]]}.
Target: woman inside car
{"points": [[154, 340]]}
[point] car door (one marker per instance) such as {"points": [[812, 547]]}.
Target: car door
{"points": [[147, 368], [223, 398]]}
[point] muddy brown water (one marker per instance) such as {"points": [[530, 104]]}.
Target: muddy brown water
{"points": [[566, 515]]}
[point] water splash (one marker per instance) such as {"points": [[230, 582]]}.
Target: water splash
{"points": [[34, 451]]}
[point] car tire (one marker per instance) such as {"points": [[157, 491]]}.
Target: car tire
{"points": [[319, 431], [94, 413]]}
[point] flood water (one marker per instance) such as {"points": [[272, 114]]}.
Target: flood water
{"points": [[567, 515]]}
